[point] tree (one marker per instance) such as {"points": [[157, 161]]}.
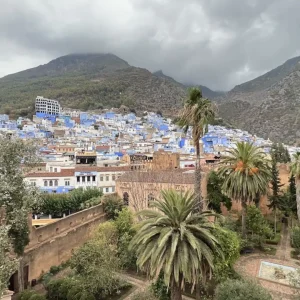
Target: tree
{"points": [[176, 240], [257, 224], [95, 264], [15, 195], [215, 196], [241, 290], [295, 171], [231, 246], [280, 153], [197, 112], [274, 199], [246, 172], [287, 201], [8, 265]]}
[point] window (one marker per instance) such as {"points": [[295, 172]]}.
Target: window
{"points": [[45, 183], [107, 178], [51, 169], [56, 182], [106, 190], [94, 178], [33, 183], [114, 177], [50, 183], [101, 178], [67, 183], [150, 199], [113, 189], [88, 178], [83, 178], [78, 178], [126, 198]]}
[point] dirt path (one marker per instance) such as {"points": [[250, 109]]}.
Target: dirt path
{"points": [[284, 248]]}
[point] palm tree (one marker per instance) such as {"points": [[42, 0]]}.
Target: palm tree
{"points": [[246, 172], [295, 171], [197, 112], [175, 239]]}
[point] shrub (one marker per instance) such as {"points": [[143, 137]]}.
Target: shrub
{"points": [[231, 246], [112, 205], [25, 295], [160, 290], [275, 240], [54, 270], [144, 295], [58, 289], [295, 237], [37, 297], [107, 231], [241, 290]]}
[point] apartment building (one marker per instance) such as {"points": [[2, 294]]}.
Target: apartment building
{"points": [[46, 106], [62, 181]]}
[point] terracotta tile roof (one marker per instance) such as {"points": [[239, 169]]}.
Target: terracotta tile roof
{"points": [[157, 177], [63, 173]]}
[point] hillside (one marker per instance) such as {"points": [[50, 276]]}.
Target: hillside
{"points": [[268, 106], [207, 92], [90, 81]]}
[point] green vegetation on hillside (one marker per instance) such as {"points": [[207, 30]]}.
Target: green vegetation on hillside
{"points": [[89, 81]]}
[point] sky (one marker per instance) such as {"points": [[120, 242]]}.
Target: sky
{"points": [[217, 43]]}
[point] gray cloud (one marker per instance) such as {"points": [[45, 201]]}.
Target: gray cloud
{"points": [[218, 43]]}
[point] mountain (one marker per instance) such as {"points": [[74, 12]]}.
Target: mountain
{"points": [[90, 81], [207, 92], [268, 106]]}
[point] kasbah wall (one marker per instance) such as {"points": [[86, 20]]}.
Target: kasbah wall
{"points": [[52, 244]]}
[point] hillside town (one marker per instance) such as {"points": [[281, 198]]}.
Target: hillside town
{"points": [[80, 149]]}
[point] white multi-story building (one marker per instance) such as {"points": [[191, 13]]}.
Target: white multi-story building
{"points": [[47, 106]]}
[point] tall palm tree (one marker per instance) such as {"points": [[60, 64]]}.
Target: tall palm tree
{"points": [[295, 170], [175, 239], [247, 173], [197, 112]]}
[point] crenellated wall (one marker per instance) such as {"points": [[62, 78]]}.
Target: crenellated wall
{"points": [[53, 244]]}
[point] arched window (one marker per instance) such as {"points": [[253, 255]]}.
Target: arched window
{"points": [[56, 182], [45, 183], [50, 183], [126, 198], [150, 199]]}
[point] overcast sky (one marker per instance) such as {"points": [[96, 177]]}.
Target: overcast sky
{"points": [[217, 43]]}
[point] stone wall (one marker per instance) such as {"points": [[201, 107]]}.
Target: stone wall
{"points": [[53, 244]]}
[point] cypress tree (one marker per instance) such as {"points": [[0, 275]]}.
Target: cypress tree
{"points": [[274, 199]]}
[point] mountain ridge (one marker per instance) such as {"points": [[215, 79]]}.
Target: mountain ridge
{"points": [[269, 105]]}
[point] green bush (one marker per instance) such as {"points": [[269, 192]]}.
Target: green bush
{"points": [[231, 247], [57, 204], [275, 240], [295, 237], [25, 295], [112, 205], [54, 269], [58, 289], [144, 295], [241, 290], [37, 297], [160, 290]]}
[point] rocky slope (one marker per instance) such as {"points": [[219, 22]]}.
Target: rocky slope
{"points": [[268, 106]]}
